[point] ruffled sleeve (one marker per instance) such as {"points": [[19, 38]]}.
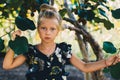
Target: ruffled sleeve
{"points": [[29, 54], [66, 51]]}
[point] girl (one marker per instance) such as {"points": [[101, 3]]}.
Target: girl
{"points": [[46, 61]]}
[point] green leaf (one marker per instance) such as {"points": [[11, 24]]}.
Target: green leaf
{"points": [[106, 70], [63, 12], [90, 15], [24, 23], [94, 0], [116, 13], [5, 14], [101, 3], [97, 20], [19, 45], [108, 24], [115, 71], [102, 12], [81, 13], [86, 14], [108, 47], [2, 46]]}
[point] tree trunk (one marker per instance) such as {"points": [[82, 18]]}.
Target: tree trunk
{"points": [[84, 53], [81, 31]]}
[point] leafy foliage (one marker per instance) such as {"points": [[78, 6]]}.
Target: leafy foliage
{"points": [[116, 13], [102, 12], [19, 45], [32, 5], [114, 70], [63, 12], [1, 44], [8, 7], [24, 23], [108, 25], [86, 14], [21, 7], [89, 10], [109, 47]]}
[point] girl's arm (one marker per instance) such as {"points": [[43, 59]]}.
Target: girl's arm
{"points": [[93, 66], [11, 62]]}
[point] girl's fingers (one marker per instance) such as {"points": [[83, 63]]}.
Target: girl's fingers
{"points": [[116, 59], [119, 57], [113, 59], [16, 33]]}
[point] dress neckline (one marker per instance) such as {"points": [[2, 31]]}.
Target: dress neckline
{"points": [[46, 54]]}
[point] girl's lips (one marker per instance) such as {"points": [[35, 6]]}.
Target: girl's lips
{"points": [[47, 37]]}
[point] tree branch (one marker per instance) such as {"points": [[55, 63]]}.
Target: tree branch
{"points": [[87, 36]]}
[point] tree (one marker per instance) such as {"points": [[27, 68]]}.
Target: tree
{"points": [[92, 11]]}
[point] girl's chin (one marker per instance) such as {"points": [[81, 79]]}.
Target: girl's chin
{"points": [[47, 41]]}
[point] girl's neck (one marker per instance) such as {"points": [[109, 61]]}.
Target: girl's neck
{"points": [[47, 45], [47, 48]]}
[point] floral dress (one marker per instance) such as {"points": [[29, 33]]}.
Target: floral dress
{"points": [[43, 67]]}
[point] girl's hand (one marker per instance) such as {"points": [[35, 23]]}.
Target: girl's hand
{"points": [[112, 60], [16, 33]]}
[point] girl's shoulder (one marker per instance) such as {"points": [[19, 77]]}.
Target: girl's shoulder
{"points": [[65, 49], [31, 49], [31, 46], [64, 46]]}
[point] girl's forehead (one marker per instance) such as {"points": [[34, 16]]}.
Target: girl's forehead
{"points": [[49, 21]]}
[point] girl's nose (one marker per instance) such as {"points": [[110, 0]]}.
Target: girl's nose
{"points": [[47, 31]]}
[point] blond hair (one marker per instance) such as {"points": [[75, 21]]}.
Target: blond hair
{"points": [[48, 11]]}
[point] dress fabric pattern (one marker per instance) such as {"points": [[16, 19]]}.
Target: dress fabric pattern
{"points": [[43, 67]]}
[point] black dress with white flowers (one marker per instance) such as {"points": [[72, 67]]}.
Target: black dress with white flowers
{"points": [[43, 67]]}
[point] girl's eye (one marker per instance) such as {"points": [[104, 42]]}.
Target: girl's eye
{"points": [[43, 28], [52, 29]]}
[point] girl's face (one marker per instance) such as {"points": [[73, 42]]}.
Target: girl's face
{"points": [[48, 29]]}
